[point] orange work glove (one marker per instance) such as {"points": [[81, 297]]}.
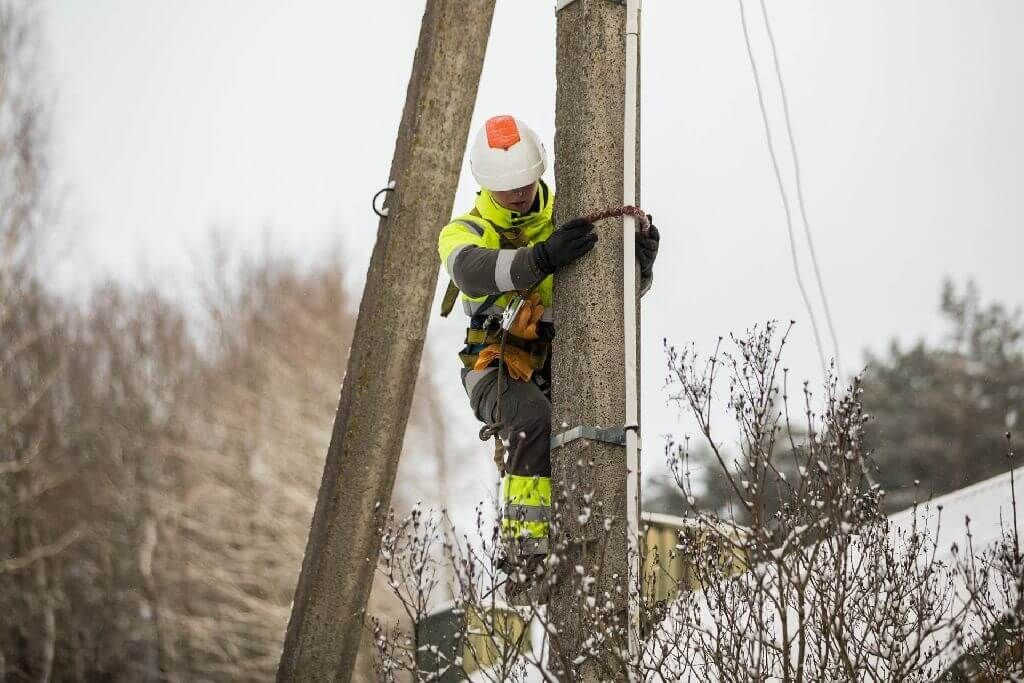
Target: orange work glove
{"points": [[517, 361], [525, 324]]}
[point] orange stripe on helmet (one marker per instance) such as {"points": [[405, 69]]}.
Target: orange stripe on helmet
{"points": [[502, 132]]}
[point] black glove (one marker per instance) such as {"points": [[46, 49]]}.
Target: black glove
{"points": [[566, 244], [647, 249]]}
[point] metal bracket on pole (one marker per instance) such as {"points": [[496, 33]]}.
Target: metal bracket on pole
{"points": [[615, 435], [560, 4], [383, 211]]}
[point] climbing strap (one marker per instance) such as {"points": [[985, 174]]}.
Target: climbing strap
{"points": [[643, 223], [536, 348], [493, 429], [451, 295]]}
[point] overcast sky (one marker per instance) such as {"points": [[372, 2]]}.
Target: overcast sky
{"points": [[280, 117]]}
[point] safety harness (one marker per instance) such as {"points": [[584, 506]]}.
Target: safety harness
{"points": [[486, 328], [493, 328]]}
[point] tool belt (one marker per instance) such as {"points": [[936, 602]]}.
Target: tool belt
{"points": [[485, 330]]}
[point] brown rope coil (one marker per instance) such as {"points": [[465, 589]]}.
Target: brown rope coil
{"points": [[643, 223]]}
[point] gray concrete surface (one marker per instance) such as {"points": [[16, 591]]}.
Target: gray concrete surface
{"points": [[327, 617], [587, 371]]}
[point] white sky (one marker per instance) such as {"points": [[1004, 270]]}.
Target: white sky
{"points": [[272, 117]]}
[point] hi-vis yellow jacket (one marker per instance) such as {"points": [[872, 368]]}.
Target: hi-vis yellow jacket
{"points": [[488, 252]]}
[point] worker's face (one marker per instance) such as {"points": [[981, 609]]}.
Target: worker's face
{"points": [[519, 199]]}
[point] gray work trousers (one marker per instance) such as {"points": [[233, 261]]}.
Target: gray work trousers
{"points": [[525, 414]]}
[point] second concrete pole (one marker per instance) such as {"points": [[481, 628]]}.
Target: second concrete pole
{"points": [[341, 555]]}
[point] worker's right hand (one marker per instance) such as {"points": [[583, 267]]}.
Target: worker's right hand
{"points": [[566, 244]]}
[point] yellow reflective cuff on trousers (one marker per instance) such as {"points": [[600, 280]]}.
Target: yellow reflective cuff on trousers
{"points": [[527, 490], [513, 528], [527, 505]]}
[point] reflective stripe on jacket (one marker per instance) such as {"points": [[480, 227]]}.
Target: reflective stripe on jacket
{"points": [[488, 251]]}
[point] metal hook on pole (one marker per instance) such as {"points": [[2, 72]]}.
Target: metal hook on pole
{"points": [[383, 211]]}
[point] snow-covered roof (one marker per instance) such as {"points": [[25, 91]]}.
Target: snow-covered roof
{"points": [[988, 504]]}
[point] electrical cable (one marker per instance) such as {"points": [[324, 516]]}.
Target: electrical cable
{"points": [[785, 200], [782, 190], [800, 191]]}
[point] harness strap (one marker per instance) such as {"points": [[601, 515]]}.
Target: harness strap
{"points": [[537, 361], [510, 237], [451, 295], [475, 336]]}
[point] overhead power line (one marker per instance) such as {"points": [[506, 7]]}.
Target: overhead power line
{"points": [[800, 199], [782, 190], [800, 190]]}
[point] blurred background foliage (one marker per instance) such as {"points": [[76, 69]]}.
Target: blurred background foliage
{"points": [[940, 412], [159, 459]]}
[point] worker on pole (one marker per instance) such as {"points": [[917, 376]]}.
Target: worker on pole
{"points": [[501, 255]]}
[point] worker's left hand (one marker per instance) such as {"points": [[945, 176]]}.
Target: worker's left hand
{"points": [[647, 249]]}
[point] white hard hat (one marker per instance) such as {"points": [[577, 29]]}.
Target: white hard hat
{"points": [[507, 154]]}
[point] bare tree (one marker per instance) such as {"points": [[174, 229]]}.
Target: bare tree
{"points": [[29, 360], [24, 138], [28, 375], [156, 483], [832, 591], [993, 642], [253, 455], [805, 579]]}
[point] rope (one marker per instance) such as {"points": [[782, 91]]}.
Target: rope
{"points": [[643, 223], [782, 191], [493, 429], [800, 190]]}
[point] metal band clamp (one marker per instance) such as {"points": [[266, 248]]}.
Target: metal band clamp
{"points": [[559, 4], [614, 435]]}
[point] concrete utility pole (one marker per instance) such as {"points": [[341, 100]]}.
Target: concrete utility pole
{"points": [[327, 617], [589, 369]]}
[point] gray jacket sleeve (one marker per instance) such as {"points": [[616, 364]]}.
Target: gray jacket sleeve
{"points": [[479, 271]]}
